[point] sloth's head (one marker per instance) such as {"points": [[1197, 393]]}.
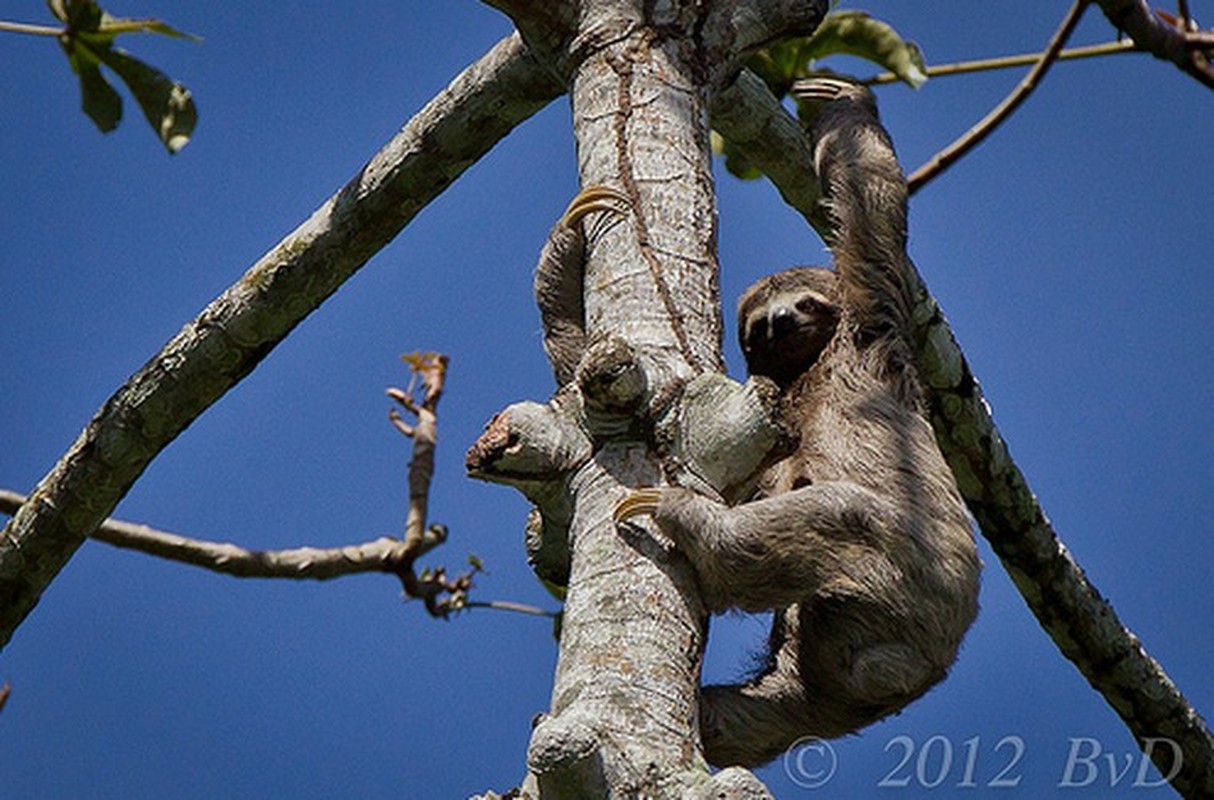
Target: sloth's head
{"points": [[785, 321]]}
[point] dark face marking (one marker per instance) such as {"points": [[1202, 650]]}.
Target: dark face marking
{"points": [[783, 332]]}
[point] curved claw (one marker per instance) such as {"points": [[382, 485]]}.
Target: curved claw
{"points": [[592, 199], [824, 88], [636, 503]]}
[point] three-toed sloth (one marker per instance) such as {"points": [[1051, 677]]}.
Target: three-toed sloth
{"points": [[859, 540]]}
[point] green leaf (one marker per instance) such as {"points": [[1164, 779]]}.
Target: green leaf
{"points": [[852, 32], [167, 104], [856, 33], [98, 99], [113, 26], [84, 17]]}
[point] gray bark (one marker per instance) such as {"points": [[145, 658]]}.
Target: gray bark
{"points": [[1167, 43]]}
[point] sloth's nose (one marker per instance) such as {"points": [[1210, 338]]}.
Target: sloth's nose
{"points": [[783, 321]]}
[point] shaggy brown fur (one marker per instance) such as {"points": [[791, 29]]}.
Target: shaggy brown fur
{"points": [[861, 542]]}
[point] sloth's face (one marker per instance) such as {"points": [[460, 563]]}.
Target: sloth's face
{"points": [[785, 322]]}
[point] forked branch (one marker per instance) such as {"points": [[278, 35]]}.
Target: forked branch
{"points": [[942, 160], [441, 593], [1159, 34]]}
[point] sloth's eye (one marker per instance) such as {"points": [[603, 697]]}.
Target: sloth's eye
{"points": [[812, 306]]}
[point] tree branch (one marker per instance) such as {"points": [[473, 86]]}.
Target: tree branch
{"points": [[749, 115], [1190, 51], [942, 160], [395, 556], [384, 555], [1070, 609], [733, 37], [229, 338], [380, 555]]}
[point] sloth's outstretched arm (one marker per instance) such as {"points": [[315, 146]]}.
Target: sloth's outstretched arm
{"points": [[777, 551], [865, 194]]}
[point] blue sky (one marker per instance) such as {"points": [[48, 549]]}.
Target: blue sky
{"points": [[1072, 254]]}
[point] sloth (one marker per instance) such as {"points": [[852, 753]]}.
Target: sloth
{"points": [[859, 540]]}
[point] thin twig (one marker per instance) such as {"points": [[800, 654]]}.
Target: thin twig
{"points": [[942, 160], [507, 605], [431, 368], [33, 30], [441, 594], [1005, 62]]}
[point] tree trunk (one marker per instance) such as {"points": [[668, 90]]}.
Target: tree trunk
{"points": [[624, 718]]}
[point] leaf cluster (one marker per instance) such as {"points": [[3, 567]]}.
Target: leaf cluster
{"points": [[88, 41]]}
